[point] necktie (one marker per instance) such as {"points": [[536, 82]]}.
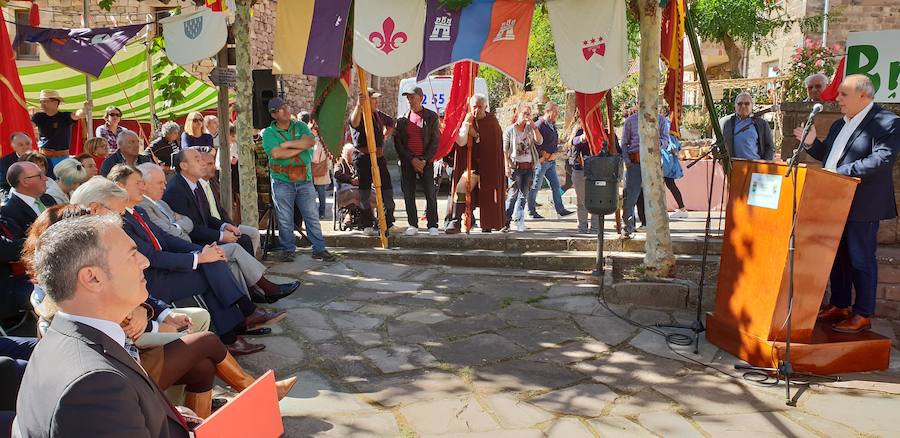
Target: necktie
{"points": [[40, 205], [140, 220], [202, 205], [132, 350], [213, 207]]}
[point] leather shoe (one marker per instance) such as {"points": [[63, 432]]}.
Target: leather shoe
{"points": [[257, 296], [261, 317], [283, 291], [832, 313], [241, 347], [853, 324], [566, 213]]}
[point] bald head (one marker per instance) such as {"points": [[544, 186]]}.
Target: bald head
{"points": [[855, 93], [20, 142], [27, 178]]}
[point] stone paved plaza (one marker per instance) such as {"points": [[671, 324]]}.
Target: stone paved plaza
{"points": [[385, 350]]}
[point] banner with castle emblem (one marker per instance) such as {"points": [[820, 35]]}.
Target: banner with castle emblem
{"points": [[387, 35], [194, 36], [492, 32], [591, 44]]}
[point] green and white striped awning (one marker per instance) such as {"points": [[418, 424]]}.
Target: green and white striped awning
{"points": [[124, 79]]}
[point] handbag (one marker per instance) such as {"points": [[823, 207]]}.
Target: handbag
{"points": [[320, 169]]}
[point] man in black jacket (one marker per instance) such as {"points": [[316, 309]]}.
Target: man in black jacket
{"points": [[27, 198], [416, 139], [21, 145]]}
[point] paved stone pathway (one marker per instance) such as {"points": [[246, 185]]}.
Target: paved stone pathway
{"points": [[385, 350]]}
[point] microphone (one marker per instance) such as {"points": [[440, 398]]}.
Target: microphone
{"points": [[816, 109]]}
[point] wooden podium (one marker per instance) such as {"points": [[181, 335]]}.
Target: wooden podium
{"points": [[749, 320]]}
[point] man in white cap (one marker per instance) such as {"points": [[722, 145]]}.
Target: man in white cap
{"points": [[55, 126]]}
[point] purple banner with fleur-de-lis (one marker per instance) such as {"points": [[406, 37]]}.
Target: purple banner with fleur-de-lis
{"points": [[387, 35]]}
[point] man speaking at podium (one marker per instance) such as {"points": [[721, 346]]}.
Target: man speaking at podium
{"points": [[862, 144]]}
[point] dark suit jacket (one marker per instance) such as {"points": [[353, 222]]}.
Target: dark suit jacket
{"points": [[20, 213], [180, 197], [5, 162], [100, 392], [765, 144], [171, 277], [869, 155]]}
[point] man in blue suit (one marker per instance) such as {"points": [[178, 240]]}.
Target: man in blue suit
{"points": [[863, 144]]}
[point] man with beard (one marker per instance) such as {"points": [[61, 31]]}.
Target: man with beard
{"points": [[487, 188]]}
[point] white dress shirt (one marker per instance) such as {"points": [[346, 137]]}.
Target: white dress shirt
{"points": [[28, 200], [840, 142], [109, 328]]}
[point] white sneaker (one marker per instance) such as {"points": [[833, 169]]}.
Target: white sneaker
{"points": [[433, 231], [369, 231], [411, 231], [520, 226], [679, 214]]}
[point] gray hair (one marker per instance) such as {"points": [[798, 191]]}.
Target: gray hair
{"points": [[68, 246], [147, 168], [815, 77], [12, 137], [478, 97], [170, 127], [97, 189], [125, 134], [15, 172], [863, 85], [741, 95], [70, 172]]}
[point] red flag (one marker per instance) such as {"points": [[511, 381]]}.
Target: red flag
{"points": [[592, 118], [13, 109], [672, 54], [216, 5], [464, 73], [34, 15], [830, 93]]}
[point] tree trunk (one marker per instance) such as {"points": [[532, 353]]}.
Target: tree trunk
{"points": [[244, 125], [659, 260], [735, 56]]}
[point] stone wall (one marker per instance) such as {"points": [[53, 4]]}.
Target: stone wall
{"points": [[889, 231]]}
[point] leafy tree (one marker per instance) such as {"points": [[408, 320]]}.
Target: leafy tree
{"points": [[737, 24]]}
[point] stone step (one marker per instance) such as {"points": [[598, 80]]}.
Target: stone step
{"points": [[625, 265], [683, 245]]}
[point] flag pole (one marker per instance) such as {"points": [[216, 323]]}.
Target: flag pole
{"points": [[88, 118], [373, 158], [471, 92]]}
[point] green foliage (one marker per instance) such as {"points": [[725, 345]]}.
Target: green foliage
{"points": [[809, 59], [106, 4], [543, 68], [169, 85], [624, 97], [499, 86], [747, 23]]}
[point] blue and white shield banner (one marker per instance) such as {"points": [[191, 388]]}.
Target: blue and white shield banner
{"points": [[194, 36]]}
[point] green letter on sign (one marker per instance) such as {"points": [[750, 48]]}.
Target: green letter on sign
{"points": [[854, 67]]}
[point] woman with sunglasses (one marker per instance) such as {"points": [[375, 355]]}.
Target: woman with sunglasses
{"points": [[110, 129], [193, 134]]}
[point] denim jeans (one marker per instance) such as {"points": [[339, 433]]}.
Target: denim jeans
{"points": [[302, 194], [632, 192], [517, 194], [546, 169], [322, 191]]}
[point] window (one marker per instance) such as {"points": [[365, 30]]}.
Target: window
{"points": [[26, 51], [160, 13], [770, 69]]}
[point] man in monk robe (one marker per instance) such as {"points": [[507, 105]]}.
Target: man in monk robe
{"points": [[487, 181]]}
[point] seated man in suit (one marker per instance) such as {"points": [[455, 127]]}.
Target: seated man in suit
{"points": [[863, 144], [27, 198], [181, 270], [185, 195], [210, 184], [21, 145], [101, 391], [246, 269]]}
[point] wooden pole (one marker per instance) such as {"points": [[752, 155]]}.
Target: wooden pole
{"points": [[373, 158], [611, 148], [224, 154], [150, 89], [469, 220]]}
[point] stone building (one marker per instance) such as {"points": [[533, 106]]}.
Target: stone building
{"points": [[848, 16], [299, 89]]}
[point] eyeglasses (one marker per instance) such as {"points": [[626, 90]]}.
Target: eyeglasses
{"points": [[39, 175], [114, 115], [197, 120], [743, 104]]}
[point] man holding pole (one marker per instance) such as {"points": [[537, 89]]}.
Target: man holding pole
{"points": [[55, 126], [416, 138], [362, 162]]}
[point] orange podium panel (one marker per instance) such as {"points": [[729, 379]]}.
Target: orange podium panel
{"points": [[750, 315], [253, 413]]}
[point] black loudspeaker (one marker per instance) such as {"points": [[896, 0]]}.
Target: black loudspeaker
{"points": [[601, 183], [264, 89]]}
